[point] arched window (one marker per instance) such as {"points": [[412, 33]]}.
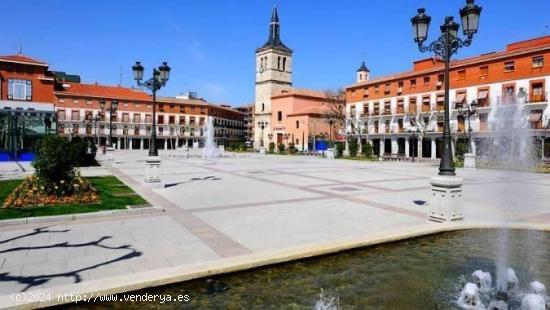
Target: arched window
{"points": [[284, 63], [262, 63], [279, 116], [265, 62], [360, 77], [263, 107], [279, 63]]}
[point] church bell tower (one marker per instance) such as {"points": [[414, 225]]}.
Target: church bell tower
{"points": [[273, 75]]}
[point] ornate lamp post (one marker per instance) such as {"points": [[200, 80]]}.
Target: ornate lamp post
{"points": [[414, 131], [468, 110], [112, 109], [156, 82], [262, 125], [445, 46]]}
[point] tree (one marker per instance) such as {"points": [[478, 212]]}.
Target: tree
{"points": [[335, 113], [55, 164]]}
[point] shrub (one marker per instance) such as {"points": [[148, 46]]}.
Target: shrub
{"points": [[281, 148], [353, 147], [367, 150], [32, 192], [55, 165], [291, 148], [83, 152], [272, 147], [339, 149], [461, 148]]}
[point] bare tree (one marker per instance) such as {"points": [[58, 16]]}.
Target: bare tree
{"points": [[336, 104]]}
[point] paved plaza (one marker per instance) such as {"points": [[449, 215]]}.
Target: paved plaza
{"points": [[245, 208]]}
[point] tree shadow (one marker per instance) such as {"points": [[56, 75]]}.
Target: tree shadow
{"points": [[37, 280]]}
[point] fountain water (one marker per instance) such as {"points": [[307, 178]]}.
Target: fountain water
{"points": [[469, 297], [210, 149]]}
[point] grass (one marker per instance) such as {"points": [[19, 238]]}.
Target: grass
{"points": [[113, 195]]}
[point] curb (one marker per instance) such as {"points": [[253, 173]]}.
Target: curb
{"points": [[79, 216], [170, 275]]}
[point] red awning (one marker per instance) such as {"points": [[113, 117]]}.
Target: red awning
{"points": [[535, 117], [460, 97], [483, 94]]}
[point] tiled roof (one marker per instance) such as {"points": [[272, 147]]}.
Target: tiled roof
{"points": [[312, 109], [22, 59], [104, 91], [517, 49], [301, 92], [196, 102]]}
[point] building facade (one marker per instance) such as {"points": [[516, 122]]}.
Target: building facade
{"points": [[382, 110], [273, 75], [26, 104], [180, 122], [248, 111], [300, 117]]}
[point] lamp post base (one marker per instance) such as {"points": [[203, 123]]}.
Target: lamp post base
{"points": [[470, 160], [446, 200], [152, 169], [329, 153], [262, 150]]}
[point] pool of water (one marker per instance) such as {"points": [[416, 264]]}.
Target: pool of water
{"points": [[421, 273]]}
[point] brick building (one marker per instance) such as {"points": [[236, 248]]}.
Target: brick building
{"points": [[26, 104], [381, 109], [179, 121], [300, 117], [248, 111]]}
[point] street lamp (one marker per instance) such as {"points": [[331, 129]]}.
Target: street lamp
{"points": [[414, 131], [156, 82], [112, 109], [446, 187], [262, 125], [445, 46], [468, 110], [159, 79]]}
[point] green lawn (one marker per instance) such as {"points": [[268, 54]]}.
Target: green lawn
{"points": [[113, 195]]}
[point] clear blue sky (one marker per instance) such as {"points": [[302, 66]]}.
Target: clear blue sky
{"points": [[210, 44]]}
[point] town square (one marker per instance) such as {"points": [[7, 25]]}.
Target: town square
{"points": [[418, 185]]}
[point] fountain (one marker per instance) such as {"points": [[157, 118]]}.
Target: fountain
{"points": [[469, 297], [210, 149]]}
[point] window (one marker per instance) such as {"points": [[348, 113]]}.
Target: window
{"points": [[88, 102], [284, 63], [136, 105], [279, 63], [263, 107], [61, 115], [279, 116], [160, 119], [126, 104], [148, 118], [537, 91], [387, 89], [484, 71], [413, 83], [75, 115], [353, 93], [365, 92], [137, 118], [19, 89], [461, 74], [297, 124], [125, 117], [412, 104], [538, 61], [171, 119], [182, 120], [400, 86], [509, 66], [376, 89], [426, 80]]}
